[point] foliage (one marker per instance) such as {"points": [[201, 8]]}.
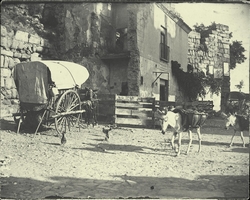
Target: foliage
{"points": [[240, 85], [20, 17], [213, 84], [236, 54], [204, 32], [195, 84]]}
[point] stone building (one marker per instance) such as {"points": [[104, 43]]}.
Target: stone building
{"points": [[214, 59], [127, 48], [146, 38], [20, 42]]}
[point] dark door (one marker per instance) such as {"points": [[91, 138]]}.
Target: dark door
{"points": [[163, 90]]}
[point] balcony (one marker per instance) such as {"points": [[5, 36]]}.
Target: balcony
{"points": [[113, 56]]}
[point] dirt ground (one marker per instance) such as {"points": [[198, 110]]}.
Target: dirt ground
{"points": [[134, 163]]}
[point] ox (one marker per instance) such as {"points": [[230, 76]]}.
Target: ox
{"points": [[181, 121]]}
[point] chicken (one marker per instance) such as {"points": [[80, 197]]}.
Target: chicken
{"points": [[106, 130], [63, 140]]}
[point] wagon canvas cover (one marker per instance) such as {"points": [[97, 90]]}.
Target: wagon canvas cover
{"points": [[32, 78]]}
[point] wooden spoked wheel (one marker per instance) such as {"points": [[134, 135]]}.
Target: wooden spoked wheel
{"points": [[67, 103]]}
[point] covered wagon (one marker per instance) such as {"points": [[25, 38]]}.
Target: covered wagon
{"points": [[48, 93]]}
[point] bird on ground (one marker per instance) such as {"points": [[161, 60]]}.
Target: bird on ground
{"points": [[106, 130], [63, 140]]}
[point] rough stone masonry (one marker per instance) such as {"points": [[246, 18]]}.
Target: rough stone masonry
{"points": [[17, 46], [214, 57]]}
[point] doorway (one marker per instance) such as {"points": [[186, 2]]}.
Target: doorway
{"points": [[163, 90]]}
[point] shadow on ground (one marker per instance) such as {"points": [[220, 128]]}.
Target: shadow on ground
{"points": [[239, 150], [111, 148], [126, 187], [208, 143], [10, 125]]}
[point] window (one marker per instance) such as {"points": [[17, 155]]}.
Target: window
{"points": [[121, 39], [164, 49]]}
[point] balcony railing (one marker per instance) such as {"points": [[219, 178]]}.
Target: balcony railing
{"points": [[164, 50]]}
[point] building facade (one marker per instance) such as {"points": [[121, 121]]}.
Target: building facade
{"points": [[126, 47], [147, 37]]}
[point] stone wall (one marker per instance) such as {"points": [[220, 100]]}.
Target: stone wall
{"points": [[213, 57], [76, 32], [134, 62], [217, 49], [17, 46], [22, 39]]}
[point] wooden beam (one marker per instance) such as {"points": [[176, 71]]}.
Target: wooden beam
{"points": [[68, 113], [130, 112]]}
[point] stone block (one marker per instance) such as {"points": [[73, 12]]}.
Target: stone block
{"points": [[14, 44], [6, 62], [206, 61], [22, 51], [5, 72], [2, 96], [3, 31], [33, 39], [2, 60], [35, 57], [8, 94], [9, 83], [15, 101], [25, 56], [219, 38], [4, 41], [39, 49], [200, 53], [2, 81], [22, 36], [11, 33], [9, 42], [16, 60], [225, 41], [225, 46], [6, 101], [214, 32], [20, 45], [210, 54], [11, 63], [226, 51], [13, 93], [211, 62], [17, 55], [34, 48], [7, 53]]}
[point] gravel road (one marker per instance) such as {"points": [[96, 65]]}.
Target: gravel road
{"points": [[134, 163]]}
